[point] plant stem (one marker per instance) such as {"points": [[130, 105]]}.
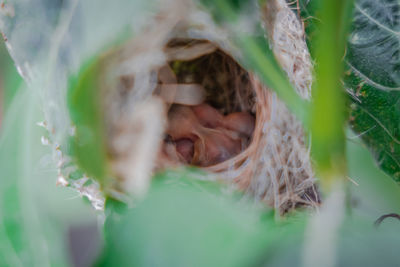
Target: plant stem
{"points": [[328, 110]]}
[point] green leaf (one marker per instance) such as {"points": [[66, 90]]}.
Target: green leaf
{"points": [[10, 80], [184, 222], [375, 116], [84, 102], [310, 13], [30, 235], [372, 75], [371, 183], [373, 80], [358, 244], [187, 222]]}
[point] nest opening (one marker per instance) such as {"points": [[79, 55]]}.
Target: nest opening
{"points": [[217, 123]]}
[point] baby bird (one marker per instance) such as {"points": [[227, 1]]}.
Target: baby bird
{"points": [[208, 116], [241, 122], [196, 143], [204, 137], [215, 148]]}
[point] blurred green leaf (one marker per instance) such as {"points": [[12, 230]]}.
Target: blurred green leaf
{"points": [[370, 183], [310, 13], [359, 244], [84, 96], [28, 234], [255, 52], [10, 80], [184, 222], [187, 222]]}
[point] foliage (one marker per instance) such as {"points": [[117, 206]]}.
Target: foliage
{"points": [[9, 77], [184, 222], [371, 76], [373, 79], [28, 233], [89, 144]]}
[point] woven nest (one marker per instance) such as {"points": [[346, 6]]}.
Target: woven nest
{"points": [[272, 165], [182, 62]]}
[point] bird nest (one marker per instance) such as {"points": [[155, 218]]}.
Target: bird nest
{"points": [[230, 133], [175, 96]]}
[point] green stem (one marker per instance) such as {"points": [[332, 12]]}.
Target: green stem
{"points": [[328, 111]]}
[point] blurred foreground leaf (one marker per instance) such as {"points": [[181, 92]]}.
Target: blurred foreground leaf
{"points": [[359, 244], [370, 183], [184, 222], [84, 100], [10, 80], [28, 234]]}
